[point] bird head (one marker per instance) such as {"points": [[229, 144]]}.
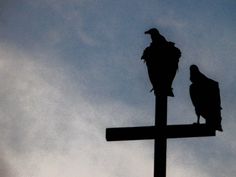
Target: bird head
{"points": [[155, 35], [194, 68], [152, 31]]}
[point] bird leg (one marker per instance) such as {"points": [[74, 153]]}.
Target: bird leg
{"points": [[198, 117]]}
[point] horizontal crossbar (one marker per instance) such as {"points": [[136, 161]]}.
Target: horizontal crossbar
{"points": [[153, 132]]}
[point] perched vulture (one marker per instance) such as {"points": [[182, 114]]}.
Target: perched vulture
{"points": [[161, 58], [205, 96]]}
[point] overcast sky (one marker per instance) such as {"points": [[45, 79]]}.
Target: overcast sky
{"points": [[70, 69]]}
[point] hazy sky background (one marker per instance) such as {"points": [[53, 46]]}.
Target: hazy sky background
{"points": [[70, 69]]}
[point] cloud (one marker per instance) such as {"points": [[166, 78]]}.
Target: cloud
{"points": [[46, 123], [5, 168]]}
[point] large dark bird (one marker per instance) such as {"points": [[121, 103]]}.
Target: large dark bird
{"points": [[162, 59], [205, 96]]}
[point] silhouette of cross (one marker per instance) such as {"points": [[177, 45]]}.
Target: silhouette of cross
{"points": [[159, 132]]}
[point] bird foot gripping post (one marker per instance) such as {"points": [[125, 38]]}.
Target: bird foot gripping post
{"points": [[162, 58]]}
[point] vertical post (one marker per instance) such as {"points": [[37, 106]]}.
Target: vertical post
{"points": [[160, 144]]}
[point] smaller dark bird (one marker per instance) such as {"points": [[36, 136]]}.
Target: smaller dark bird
{"points": [[205, 96]]}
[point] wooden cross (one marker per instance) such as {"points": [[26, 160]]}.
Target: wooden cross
{"points": [[159, 132]]}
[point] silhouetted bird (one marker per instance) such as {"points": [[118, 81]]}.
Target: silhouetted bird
{"points": [[205, 96], [162, 59]]}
